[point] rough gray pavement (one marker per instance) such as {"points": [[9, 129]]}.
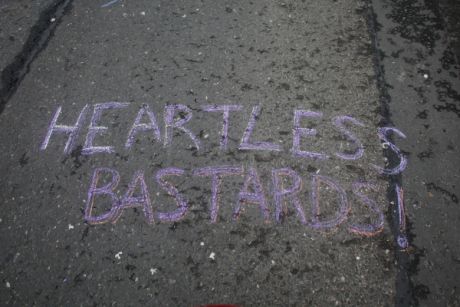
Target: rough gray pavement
{"points": [[274, 57]]}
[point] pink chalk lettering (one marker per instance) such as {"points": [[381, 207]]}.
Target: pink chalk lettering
{"points": [[182, 205], [94, 129], [256, 197], [142, 127], [344, 207], [339, 122], [368, 230], [108, 189], [402, 238], [226, 114], [280, 192], [170, 123], [131, 201], [72, 131], [401, 210], [299, 132], [245, 141], [216, 173], [383, 135]]}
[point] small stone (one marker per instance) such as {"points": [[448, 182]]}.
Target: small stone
{"points": [[202, 243], [71, 226], [8, 285], [118, 255], [212, 256]]}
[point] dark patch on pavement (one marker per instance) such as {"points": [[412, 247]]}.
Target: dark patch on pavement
{"points": [[38, 39]]}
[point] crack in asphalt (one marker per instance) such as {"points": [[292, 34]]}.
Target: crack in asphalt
{"points": [[40, 35], [403, 284]]}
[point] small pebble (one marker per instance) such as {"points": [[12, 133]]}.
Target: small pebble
{"points": [[212, 256]]}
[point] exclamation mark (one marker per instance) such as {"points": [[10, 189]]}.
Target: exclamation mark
{"points": [[402, 237]]}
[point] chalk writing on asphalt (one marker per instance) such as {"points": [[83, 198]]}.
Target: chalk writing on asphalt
{"points": [[177, 117]]}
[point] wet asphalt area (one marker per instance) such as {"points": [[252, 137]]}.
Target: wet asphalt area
{"points": [[253, 153]]}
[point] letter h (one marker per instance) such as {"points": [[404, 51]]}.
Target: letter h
{"points": [[72, 131]]}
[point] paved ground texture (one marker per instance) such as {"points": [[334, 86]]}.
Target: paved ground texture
{"points": [[256, 153]]}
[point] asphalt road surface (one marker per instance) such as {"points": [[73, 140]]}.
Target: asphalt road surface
{"points": [[254, 153]]}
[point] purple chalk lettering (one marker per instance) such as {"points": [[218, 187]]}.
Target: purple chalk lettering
{"points": [[226, 113], [298, 132], [72, 131], [172, 191], [245, 141], [216, 173], [105, 190], [257, 197], [139, 127], [402, 241], [339, 122], [170, 123], [368, 230], [344, 207], [382, 133], [94, 129], [401, 209], [280, 192], [130, 201]]}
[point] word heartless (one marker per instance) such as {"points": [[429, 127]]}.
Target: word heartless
{"points": [[176, 116]]}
